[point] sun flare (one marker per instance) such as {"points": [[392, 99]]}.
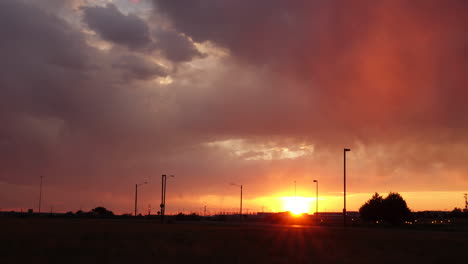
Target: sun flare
{"points": [[297, 205]]}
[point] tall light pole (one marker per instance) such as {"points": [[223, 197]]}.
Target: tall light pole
{"points": [[40, 194], [240, 213], [344, 181], [163, 196], [241, 204], [316, 198], [136, 195]]}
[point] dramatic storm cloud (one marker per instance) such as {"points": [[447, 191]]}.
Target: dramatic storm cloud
{"points": [[140, 68], [176, 47], [112, 25], [359, 63], [99, 95], [386, 75]]}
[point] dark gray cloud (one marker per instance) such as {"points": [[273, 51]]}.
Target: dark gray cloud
{"points": [[339, 73], [112, 25], [133, 32], [393, 64], [40, 57], [137, 67], [238, 25], [62, 101], [44, 64], [175, 46]]}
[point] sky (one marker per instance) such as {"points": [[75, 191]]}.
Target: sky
{"points": [[100, 95]]}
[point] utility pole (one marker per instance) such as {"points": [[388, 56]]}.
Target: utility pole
{"points": [[136, 195], [163, 196], [40, 194], [344, 181], [241, 204], [136, 198], [163, 188], [240, 211], [316, 198]]}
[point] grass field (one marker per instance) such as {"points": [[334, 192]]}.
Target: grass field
{"points": [[119, 241]]}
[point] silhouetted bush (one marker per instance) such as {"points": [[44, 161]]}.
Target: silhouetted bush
{"points": [[101, 211], [190, 217], [391, 209], [81, 213]]}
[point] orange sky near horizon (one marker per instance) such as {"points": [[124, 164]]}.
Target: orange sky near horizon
{"points": [[304, 202]]}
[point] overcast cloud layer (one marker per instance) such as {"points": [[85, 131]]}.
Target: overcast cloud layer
{"points": [[100, 95]]}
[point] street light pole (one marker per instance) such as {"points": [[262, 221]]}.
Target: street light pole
{"points": [[240, 210], [163, 177], [316, 198], [136, 196], [40, 194], [344, 181], [241, 204], [163, 196]]}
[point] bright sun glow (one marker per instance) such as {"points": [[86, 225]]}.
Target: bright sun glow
{"points": [[297, 205]]}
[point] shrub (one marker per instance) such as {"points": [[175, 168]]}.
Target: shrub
{"points": [[391, 209], [101, 211]]}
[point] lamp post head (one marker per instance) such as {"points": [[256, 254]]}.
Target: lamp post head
{"points": [[315, 181], [347, 149]]}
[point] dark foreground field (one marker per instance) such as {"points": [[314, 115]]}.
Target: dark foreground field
{"points": [[118, 241]]}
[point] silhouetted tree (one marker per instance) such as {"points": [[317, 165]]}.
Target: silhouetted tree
{"points": [[372, 209], [391, 209], [395, 210], [458, 212], [69, 214], [101, 211]]}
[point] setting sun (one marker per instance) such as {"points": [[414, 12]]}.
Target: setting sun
{"points": [[297, 205]]}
